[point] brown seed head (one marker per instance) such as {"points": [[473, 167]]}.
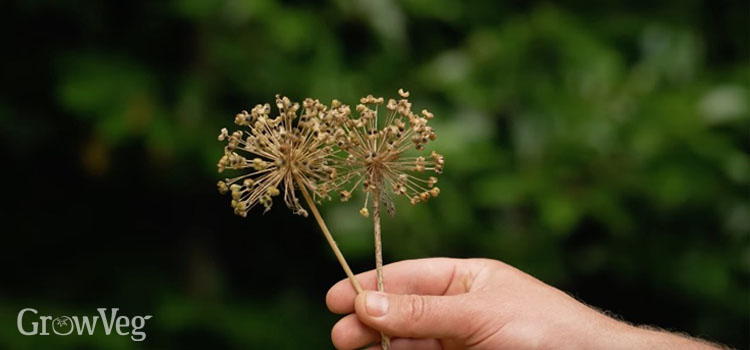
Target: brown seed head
{"points": [[376, 150], [278, 152]]}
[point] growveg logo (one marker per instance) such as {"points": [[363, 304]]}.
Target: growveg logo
{"points": [[80, 325]]}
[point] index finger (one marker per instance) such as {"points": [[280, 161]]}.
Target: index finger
{"points": [[433, 276]]}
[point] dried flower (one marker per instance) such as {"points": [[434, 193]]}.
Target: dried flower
{"points": [[376, 154], [278, 154], [287, 155]]}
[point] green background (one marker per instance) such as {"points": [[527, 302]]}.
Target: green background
{"points": [[600, 146]]}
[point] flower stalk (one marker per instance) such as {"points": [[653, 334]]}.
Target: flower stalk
{"points": [[385, 340], [329, 237]]}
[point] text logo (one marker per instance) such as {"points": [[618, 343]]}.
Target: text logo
{"points": [[67, 325]]}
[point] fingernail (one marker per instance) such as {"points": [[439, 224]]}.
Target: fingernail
{"points": [[376, 304]]}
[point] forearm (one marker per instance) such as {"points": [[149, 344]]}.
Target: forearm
{"points": [[659, 339], [615, 334], [584, 328]]}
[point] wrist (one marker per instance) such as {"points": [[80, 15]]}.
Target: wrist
{"points": [[593, 330]]}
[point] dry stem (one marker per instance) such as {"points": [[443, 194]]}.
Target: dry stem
{"points": [[385, 340], [328, 236]]}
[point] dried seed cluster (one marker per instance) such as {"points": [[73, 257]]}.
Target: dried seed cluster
{"points": [[328, 149], [286, 150], [375, 152]]}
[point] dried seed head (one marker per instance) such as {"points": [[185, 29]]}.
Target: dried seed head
{"points": [[376, 150], [279, 152]]}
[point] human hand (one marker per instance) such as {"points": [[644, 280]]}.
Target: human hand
{"points": [[477, 304]]}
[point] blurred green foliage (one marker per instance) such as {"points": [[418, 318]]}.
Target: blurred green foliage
{"points": [[601, 149]]}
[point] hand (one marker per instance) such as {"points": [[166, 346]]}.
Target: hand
{"points": [[477, 304]]}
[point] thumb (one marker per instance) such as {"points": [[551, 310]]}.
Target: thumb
{"points": [[414, 316]]}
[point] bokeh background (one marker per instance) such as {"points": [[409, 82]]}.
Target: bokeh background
{"points": [[600, 146]]}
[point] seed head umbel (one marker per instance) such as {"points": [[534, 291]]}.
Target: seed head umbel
{"points": [[275, 154], [375, 151]]}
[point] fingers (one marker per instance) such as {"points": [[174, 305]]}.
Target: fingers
{"points": [[411, 344], [350, 333], [434, 276], [417, 316]]}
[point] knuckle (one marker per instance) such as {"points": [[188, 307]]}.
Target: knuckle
{"points": [[415, 309], [487, 262], [483, 264]]}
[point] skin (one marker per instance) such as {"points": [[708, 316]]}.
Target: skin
{"points": [[478, 304]]}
